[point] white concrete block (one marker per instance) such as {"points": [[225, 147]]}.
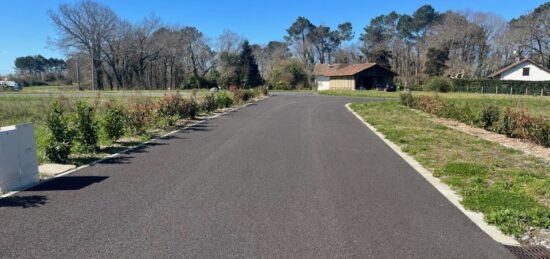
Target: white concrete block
{"points": [[18, 159]]}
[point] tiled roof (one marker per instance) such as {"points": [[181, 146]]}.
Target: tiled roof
{"points": [[341, 69]]}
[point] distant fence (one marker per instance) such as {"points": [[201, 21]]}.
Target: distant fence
{"points": [[501, 86]]}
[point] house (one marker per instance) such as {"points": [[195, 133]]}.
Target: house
{"points": [[352, 76], [523, 70]]}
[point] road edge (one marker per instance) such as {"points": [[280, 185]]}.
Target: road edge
{"points": [[444, 189], [8, 194]]}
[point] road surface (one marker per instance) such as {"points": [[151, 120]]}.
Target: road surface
{"points": [[294, 176]]}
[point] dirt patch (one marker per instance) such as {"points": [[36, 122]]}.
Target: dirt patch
{"points": [[523, 145]]}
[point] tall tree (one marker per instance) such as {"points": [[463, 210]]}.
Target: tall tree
{"points": [[435, 63], [249, 73], [86, 25], [297, 35]]}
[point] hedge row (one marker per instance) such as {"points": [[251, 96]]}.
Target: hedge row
{"points": [[512, 123], [501, 86], [80, 131]]}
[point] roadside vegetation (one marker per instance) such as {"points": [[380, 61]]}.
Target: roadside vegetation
{"points": [[512, 122], [78, 130], [533, 105], [511, 188]]}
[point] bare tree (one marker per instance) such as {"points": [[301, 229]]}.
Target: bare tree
{"points": [[87, 26]]}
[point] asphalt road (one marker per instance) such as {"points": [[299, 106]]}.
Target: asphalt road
{"points": [[294, 176]]}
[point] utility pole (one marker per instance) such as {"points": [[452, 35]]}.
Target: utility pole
{"points": [[93, 63], [78, 71]]}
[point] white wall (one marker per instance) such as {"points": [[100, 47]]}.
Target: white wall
{"points": [[516, 73], [18, 159], [323, 83]]}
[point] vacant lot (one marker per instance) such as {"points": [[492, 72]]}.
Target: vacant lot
{"points": [[535, 105], [512, 189]]}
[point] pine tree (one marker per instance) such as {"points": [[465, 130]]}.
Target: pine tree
{"points": [[250, 74], [435, 63]]}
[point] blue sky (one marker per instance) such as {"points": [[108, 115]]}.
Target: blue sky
{"points": [[26, 28]]}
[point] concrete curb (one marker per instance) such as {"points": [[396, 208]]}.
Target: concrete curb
{"points": [[444, 189], [130, 149]]}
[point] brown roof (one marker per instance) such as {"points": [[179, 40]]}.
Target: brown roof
{"points": [[342, 69], [506, 68]]}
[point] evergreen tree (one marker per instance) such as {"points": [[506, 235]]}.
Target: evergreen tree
{"points": [[250, 74], [435, 63]]}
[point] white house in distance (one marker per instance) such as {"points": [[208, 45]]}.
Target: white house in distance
{"points": [[523, 70]]}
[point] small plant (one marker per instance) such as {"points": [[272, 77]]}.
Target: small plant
{"points": [[224, 100], [209, 103], [112, 124], [169, 104], [85, 128], [58, 147], [138, 115], [438, 84], [407, 99], [489, 116], [242, 96], [188, 108]]}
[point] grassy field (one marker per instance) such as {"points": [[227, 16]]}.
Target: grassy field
{"points": [[535, 105], [512, 189]]}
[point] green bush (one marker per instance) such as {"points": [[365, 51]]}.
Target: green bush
{"points": [[85, 128], [242, 96], [112, 124], [169, 105], [489, 116], [501, 86], [518, 124], [209, 103], [415, 87], [438, 84], [188, 108], [407, 99], [58, 143], [138, 114], [224, 100]]}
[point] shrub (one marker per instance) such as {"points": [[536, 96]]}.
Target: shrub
{"points": [[85, 128], [58, 144], [188, 108], [209, 103], [112, 124], [489, 116], [138, 115], [517, 124], [241, 96], [224, 100], [415, 87], [169, 105], [438, 84], [430, 104], [407, 99]]}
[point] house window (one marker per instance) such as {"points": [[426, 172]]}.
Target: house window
{"points": [[525, 71]]}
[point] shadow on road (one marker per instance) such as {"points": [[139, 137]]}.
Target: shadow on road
{"points": [[199, 127], [23, 201], [68, 183]]}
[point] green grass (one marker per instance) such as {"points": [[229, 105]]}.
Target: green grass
{"points": [[512, 189], [535, 105]]}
